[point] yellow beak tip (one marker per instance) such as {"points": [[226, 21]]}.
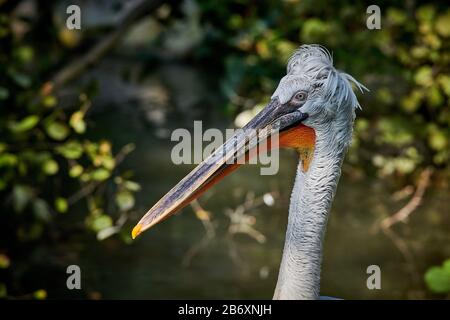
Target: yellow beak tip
{"points": [[136, 231]]}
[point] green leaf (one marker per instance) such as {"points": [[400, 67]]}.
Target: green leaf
{"points": [[85, 177], [75, 171], [426, 13], [57, 130], [40, 294], [443, 24], [446, 265], [437, 139], [50, 167], [132, 186], [21, 195], [125, 200], [8, 160], [412, 101], [396, 16], [100, 174], [41, 209], [438, 279], [108, 162], [424, 76], [101, 222], [434, 96], [395, 131], [24, 53], [70, 150], [444, 81], [77, 122], [25, 124], [313, 29], [61, 205]]}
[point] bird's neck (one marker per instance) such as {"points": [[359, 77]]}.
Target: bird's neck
{"points": [[299, 276]]}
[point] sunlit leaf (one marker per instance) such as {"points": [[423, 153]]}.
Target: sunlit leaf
{"points": [[434, 96], [70, 150], [75, 171], [419, 52], [443, 24], [8, 160], [100, 174], [424, 76], [100, 222], [25, 124], [132, 186], [57, 130], [104, 147], [109, 162], [85, 177], [412, 101], [425, 13], [444, 81], [394, 131], [396, 16], [107, 232], [125, 200], [50, 167], [40, 294], [438, 279], [314, 29], [77, 122], [61, 205], [69, 38], [437, 139]]}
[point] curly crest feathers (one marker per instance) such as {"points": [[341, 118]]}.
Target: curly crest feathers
{"points": [[315, 62]]}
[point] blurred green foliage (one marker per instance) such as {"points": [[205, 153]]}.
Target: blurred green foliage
{"points": [[405, 65], [48, 164], [438, 278]]}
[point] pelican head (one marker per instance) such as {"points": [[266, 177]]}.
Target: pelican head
{"points": [[312, 110]]}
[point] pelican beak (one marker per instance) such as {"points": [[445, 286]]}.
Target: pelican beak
{"points": [[275, 117]]}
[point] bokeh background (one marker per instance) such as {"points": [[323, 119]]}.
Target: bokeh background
{"points": [[86, 118]]}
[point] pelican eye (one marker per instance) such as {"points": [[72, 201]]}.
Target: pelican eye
{"points": [[299, 97]]}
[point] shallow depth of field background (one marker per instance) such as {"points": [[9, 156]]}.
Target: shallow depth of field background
{"points": [[85, 147]]}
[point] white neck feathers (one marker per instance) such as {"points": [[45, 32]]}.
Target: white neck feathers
{"points": [[311, 199]]}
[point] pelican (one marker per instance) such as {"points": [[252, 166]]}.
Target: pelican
{"points": [[313, 110]]}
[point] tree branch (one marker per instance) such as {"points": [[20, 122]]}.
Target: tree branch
{"points": [[414, 202]]}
